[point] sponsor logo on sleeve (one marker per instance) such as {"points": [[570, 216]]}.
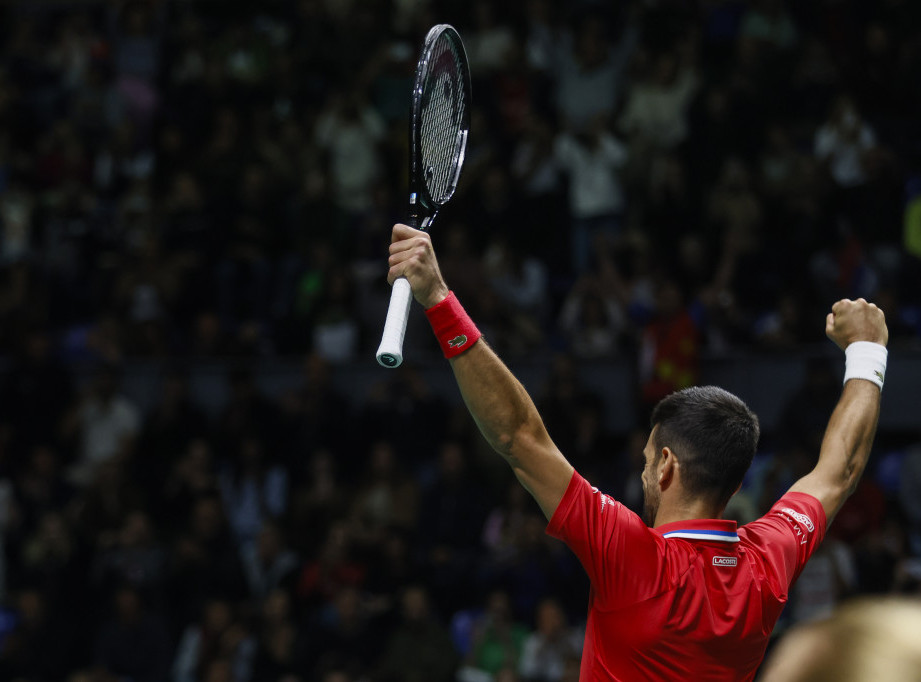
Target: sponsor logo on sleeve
{"points": [[800, 521], [726, 561], [800, 518], [605, 499]]}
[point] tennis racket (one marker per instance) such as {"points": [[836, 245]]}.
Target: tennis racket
{"points": [[438, 125]]}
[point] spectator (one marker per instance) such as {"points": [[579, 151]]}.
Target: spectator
{"points": [[204, 562], [268, 564], [51, 560], [490, 42], [537, 176], [592, 320], [670, 347], [133, 642], [654, 116], [548, 650], [350, 131], [561, 399], [592, 161], [188, 234], [843, 144], [41, 488], [769, 22], [393, 412], [453, 514], [734, 208], [503, 524], [316, 503], [336, 331], [419, 649], [253, 489], [589, 73], [387, 497], [192, 477], [540, 566], [342, 635], [782, 328], [333, 567], [135, 558], [542, 34], [829, 578], [172, 424], [497, 640], [122, 161], [136, 33], [520, 283], [317, 413], [215, 636], [105, 423]]}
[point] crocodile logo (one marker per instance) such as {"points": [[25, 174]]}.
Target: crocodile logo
{"points": [[457, 341]]}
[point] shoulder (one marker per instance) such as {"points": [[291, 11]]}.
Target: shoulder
{"points": [[624, 558], [788, 534], [593, 522], [801, 508], [580, 499]]}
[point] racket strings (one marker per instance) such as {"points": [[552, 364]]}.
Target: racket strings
{"points": [[442, 116]]}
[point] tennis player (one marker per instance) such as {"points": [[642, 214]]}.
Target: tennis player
{"points": [[689, 596]]}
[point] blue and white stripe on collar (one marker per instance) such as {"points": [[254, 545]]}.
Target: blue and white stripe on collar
{"points": [[703, 534]]}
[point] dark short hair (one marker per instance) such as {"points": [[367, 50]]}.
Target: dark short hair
{"points": [[714, 435]]}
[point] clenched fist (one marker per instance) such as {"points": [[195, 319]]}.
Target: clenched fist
{"points": [[851, 321]]}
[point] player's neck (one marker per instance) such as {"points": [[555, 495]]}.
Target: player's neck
{"points": [[685, 510]]}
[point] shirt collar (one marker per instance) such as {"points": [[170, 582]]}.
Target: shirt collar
{"points": [[718, 530]]}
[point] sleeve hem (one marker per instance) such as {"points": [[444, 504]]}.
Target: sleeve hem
{"points": [[555, 525]]}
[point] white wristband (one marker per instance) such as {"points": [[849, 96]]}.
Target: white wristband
{"points": [[865, 360]]}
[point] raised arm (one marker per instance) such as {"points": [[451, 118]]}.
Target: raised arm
{"points": [[499, 404], [849, 435]]}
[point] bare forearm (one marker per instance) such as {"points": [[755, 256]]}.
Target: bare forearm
{"points": [[508, 419], [845, 447], [849, 435], [498, 402]]}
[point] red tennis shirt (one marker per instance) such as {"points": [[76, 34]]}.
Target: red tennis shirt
{"points": [[691, 600]]}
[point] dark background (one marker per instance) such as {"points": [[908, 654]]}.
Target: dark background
{"points": [[204, 475]]}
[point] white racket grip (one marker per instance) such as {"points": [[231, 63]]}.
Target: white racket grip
{"points": [[390, 353]]}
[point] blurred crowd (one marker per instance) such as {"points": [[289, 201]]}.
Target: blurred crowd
{"points": [[191, 178], [312, 537], [185, 180]]}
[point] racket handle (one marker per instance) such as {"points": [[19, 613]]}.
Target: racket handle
{"points": [[390, 353]]}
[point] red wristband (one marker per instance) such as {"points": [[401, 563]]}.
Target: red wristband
{"points": [[452, 326]]}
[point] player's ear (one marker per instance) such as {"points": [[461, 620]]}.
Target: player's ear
{"points": [[667, 469]]}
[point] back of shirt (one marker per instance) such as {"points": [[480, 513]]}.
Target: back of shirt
{"points": [[688, 600]]}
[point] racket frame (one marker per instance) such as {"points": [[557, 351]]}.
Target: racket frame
{"points": [[421, 204]]}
